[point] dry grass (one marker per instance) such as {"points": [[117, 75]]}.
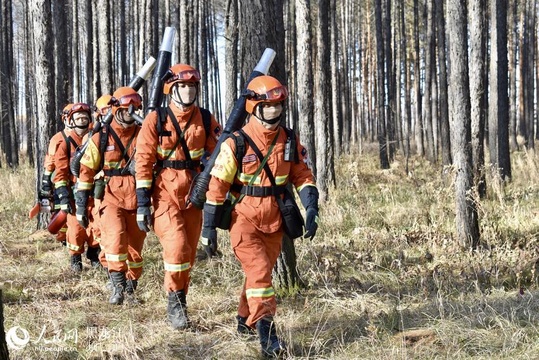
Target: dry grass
{"points": [[385, 280]]}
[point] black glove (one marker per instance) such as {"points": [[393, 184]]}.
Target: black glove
{"points": [[311, 225], [46, 185], [64, 199], [209, 240], [81, 200], [82, 217], [144, 218]]}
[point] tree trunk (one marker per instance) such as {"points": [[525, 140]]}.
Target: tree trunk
{"points": [[7, 80], [513, 22], [4, 353], [445, 136], [417, 84], [231, 51], [304, 59], [336, 91], [429, 72], [498, 115], [381, 88], [467, 223], [105, 47], [43, 81], [478, 90]]}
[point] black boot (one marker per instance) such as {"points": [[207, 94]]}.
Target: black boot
{"points": [[177, 309], [118, 287], [272, 347], [130, 288], [76, 263], [243, 328], [92, 254]]}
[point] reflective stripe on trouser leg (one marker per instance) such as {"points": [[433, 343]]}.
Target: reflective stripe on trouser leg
{"points": [[134, 247], [257, 252], [178, 232], [115, 236], [76, 236]]}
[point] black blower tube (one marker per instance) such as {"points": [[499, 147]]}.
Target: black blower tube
{"points": [[235, 121]]}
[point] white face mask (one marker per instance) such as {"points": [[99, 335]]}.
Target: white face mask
{"points": [[81, 122], [184, 93], [271, 111]]}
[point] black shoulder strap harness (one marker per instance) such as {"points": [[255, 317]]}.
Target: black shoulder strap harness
{"points": [[239, 138], [162, 115], [103, 140], [69, 141], [290, 147]]}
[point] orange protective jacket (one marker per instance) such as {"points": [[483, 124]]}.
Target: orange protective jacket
{"points": [[152, 148], [262, 212], [62, 157], [120, 190], [54, 143]]}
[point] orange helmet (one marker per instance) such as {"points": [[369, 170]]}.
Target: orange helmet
{"points": [[102, 105], [77, 107], [123, 97], [65, 111], [264, 89], [180, 73]]}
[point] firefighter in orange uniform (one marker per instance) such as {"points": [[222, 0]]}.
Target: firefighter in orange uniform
{"points": [[112, 150], [101, 108], [47, 187], [78, 120], [256, 230], [173, 145]]}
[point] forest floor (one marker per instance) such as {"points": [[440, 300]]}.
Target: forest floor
{"points": [[385, 279]]}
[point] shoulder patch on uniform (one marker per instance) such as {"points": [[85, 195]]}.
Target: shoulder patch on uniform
{"points": [[249, 158], [303, 152], [110, 148], [217, 130]]}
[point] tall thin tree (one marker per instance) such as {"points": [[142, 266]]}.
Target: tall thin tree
{"points": [[466, 219]]}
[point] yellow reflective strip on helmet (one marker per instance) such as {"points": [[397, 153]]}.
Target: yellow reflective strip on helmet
{"points": [[116, 257], [144, 184], [164, 153], [280, 180], [72, 247], [135, 265], [262, 292], [177, 267], [63, 230], [214, 203], [246, 179], [196, 154], [60, 184], [81, 185], [91, 157]]}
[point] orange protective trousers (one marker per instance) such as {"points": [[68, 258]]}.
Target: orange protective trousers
{"points": [[122, 240], [77, 236], [257, 253], [96, 229], [178, 232]]}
